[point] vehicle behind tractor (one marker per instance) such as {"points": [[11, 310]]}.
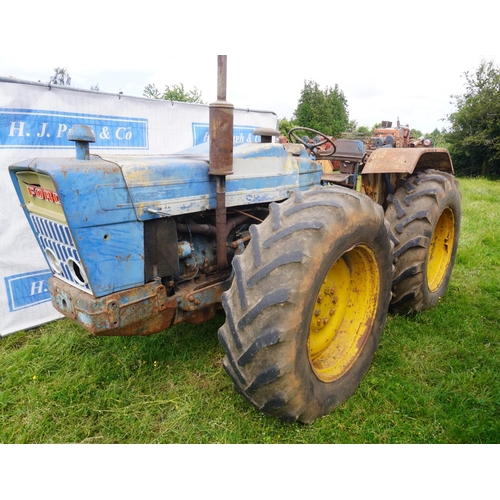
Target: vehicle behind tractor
{"points": [[304, 263], [387, 136]]}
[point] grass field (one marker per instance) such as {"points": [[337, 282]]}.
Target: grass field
{"points": [[435, 377]]}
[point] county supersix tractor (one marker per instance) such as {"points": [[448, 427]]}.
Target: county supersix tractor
{"points": [[305, 264]]}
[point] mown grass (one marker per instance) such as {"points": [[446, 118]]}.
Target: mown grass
{"points": [[435, 377]]}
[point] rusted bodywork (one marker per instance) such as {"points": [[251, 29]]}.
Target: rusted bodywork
{"points": [[407, 160], [142, 310], [400, 136], [385, 166], [376, 170]]}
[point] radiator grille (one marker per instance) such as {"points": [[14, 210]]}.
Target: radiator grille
{"points": [[60, 251]]}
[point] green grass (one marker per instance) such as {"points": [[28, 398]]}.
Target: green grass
{"points": [[435, 377]]}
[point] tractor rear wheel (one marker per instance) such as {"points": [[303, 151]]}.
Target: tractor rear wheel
{"points": [[424, 214], [308, 303]]}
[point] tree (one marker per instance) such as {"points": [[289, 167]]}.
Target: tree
{"points": [[285, 125], [352, 126], [173, 93], [474, 135], [325, 111], [363, 130], [60, 77], [415, 133], [151, 92], [438, 138]]}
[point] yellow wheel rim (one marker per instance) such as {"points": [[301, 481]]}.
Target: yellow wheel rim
{"points": [[440, 250], [344, 312]]}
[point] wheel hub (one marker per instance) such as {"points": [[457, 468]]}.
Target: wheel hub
{"points": [[440, 250], [343, 313]]}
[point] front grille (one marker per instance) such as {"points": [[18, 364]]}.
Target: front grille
{"points": [[60, 251]]}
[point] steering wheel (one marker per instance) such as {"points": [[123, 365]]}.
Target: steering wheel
{"points": [[294, 137]]}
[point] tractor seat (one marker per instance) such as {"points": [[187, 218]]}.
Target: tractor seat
{"points": [[344, 179], [347, 151], [345, 161]]}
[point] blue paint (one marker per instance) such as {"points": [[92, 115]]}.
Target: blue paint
{"points": [[108, 244], [113, 256], [241, 134], [106, 202], [31, 128], [27, 289]]}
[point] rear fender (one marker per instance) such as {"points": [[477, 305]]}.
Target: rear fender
{"points": [[407, 160]]}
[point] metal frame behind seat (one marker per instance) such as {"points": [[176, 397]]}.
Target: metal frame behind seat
{"points": [[350, 153]]}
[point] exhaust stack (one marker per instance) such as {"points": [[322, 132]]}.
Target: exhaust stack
{"points": [[221, 155]]}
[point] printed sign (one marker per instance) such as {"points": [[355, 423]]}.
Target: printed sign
{"points": [[27, 289], [25, 128], [201, 134]]}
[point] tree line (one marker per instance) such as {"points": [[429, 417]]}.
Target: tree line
{"points": [[474, 134], [473, 137]]}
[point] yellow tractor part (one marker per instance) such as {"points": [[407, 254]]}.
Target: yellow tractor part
{"points": [[343, 314], [441, 249]]}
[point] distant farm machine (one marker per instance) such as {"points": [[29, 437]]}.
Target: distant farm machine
{"points": [[305, 264], [398, 137]]}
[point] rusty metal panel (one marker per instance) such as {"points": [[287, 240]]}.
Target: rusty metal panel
{"points": [[373, 186], [138, 311], [141, 310], [406, 160], [221, 118]]}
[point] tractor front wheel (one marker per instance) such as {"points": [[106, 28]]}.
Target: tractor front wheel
{"points": [[308, 303]]}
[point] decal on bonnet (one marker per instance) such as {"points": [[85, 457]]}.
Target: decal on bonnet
{"points": [[43, 194]]}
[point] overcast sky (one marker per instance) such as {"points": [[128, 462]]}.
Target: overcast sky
{"points": [[391, 59]]}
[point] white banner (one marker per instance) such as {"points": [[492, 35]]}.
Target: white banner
{"points": [[34, 122]]}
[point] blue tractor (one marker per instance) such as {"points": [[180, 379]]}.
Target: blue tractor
{"points": [[305, 264]]}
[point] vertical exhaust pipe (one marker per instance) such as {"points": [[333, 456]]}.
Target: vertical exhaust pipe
{"points": [[221, 155]]}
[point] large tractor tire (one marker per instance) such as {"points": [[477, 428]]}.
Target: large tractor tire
{"points": [[424, 214], [308, 303]]}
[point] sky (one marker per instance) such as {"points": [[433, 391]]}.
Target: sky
{"points": [[391, 60]]}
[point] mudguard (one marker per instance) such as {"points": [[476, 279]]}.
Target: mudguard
{"points": [[407, 160]]}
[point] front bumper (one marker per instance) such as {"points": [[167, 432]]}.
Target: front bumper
{"points": [[139, 311]]}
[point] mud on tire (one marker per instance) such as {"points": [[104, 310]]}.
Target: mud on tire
{"points": [[308, 303], [424, 214]]}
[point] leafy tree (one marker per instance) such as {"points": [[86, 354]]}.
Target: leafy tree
{"points": [[285, 125], [322, 110], [173, 93], [151, 91], [355, 131], [438, 138], [352, 126], [474, 135], [60, 77]]}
